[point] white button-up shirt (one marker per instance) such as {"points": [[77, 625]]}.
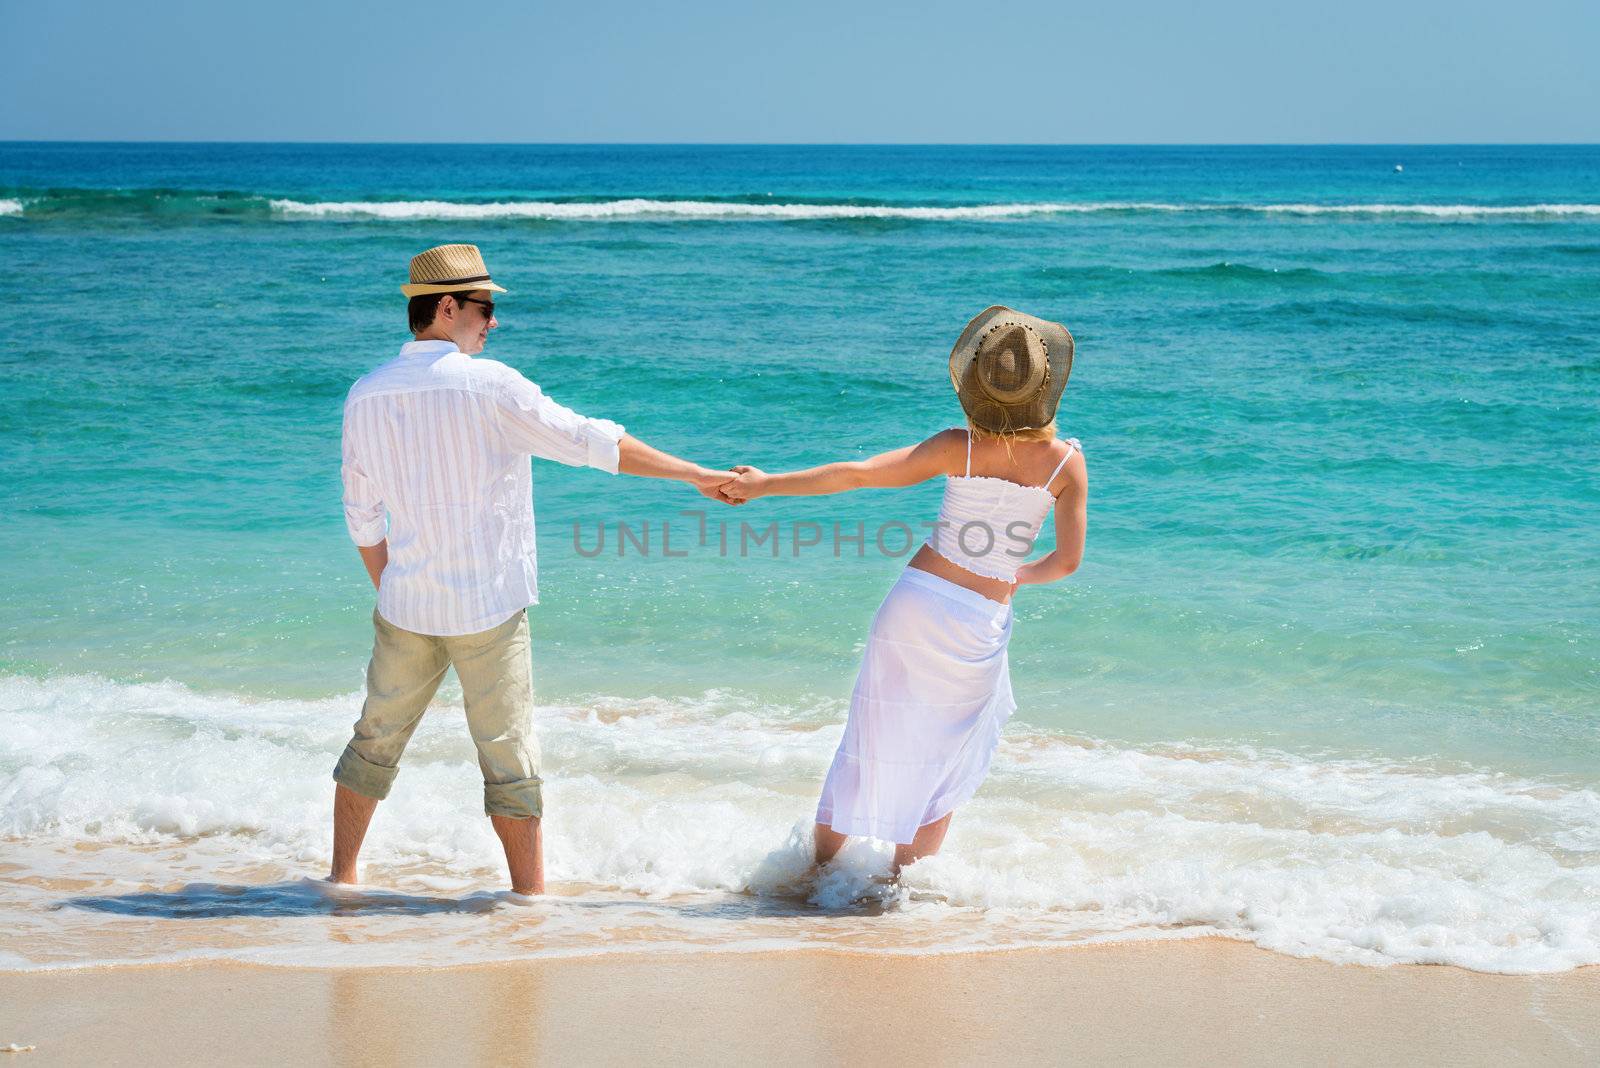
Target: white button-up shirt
{"points": [[440, 441]]}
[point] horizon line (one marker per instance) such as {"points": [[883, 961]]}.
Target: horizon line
{"points": [[817, 144]]}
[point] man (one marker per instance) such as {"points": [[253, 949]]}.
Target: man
{"points": [[440, 441]]}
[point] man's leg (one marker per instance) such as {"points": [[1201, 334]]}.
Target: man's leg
{"points": [[523, 841], [496, 675], [351, 814], [402, 677]]}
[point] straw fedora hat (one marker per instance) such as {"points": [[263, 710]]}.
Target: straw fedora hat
{"points": [[448, 269], [1010, 368]]}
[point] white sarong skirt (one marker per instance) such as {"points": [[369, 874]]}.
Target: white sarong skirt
{"points": [[925, 717]]}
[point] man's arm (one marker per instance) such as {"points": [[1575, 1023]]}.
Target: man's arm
{"points": [[634, 457], [363, 505], [375, 557], [535, 424]]}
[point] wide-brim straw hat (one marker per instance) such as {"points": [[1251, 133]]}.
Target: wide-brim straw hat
{"points": [[448, 269], [1009, 369]]}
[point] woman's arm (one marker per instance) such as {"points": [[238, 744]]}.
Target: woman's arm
{"points": [[902, 467], [1072, 521]]}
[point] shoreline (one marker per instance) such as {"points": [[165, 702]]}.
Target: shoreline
{"points": [[1188, 1000]]}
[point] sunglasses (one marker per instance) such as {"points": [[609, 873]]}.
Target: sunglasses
{"points": [[488, 305]]}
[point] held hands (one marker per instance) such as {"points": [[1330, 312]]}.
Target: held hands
{"points": [[751, 483], [741, 483], [711, 483]]}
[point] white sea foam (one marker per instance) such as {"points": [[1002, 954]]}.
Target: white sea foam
{"points": [[639, 208], [1447, 211], [680, 209], [684, 824], [10, 207]]}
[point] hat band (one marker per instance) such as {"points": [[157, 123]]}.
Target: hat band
{"points": [[451, 281]]}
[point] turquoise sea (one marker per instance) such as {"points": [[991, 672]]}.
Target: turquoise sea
{"points": [[1328, 679]]}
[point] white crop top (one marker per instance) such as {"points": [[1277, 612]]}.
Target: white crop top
{"points": [[988, 525]]}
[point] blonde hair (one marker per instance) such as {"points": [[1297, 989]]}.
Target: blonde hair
{"points": [[1037, 433]]}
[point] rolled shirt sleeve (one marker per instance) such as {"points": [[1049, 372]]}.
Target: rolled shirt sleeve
{"points": [[537, 425], [363, 504]]}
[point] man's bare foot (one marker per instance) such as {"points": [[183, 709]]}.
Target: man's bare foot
{"points": [[330, 887], [520, 898]]}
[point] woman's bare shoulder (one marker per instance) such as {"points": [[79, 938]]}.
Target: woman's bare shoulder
{"points": [[1074, 474], [945, 450]]}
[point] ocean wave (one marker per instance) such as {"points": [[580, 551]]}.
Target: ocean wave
{"points": [[161, 204], [180, 204], [684, 823], [1443, 211], [640, 208], [1243, 272]]}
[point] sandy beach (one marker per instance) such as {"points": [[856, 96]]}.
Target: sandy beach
{"points": [[1203, 1000]]}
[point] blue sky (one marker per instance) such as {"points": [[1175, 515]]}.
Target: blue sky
{"points": [[822, 71]]}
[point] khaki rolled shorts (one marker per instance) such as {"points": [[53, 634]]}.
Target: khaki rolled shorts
{"points": [[496, 676]]}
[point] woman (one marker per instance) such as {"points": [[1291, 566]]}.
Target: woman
{"points": [[934, 687]]}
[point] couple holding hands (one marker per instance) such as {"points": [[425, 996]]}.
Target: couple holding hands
{"points": [[438, 497]]}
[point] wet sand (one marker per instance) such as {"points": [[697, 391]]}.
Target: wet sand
{"points": [[1203, 1000]]}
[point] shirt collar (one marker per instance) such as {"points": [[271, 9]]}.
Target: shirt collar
{"points": [[427, 348]]}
